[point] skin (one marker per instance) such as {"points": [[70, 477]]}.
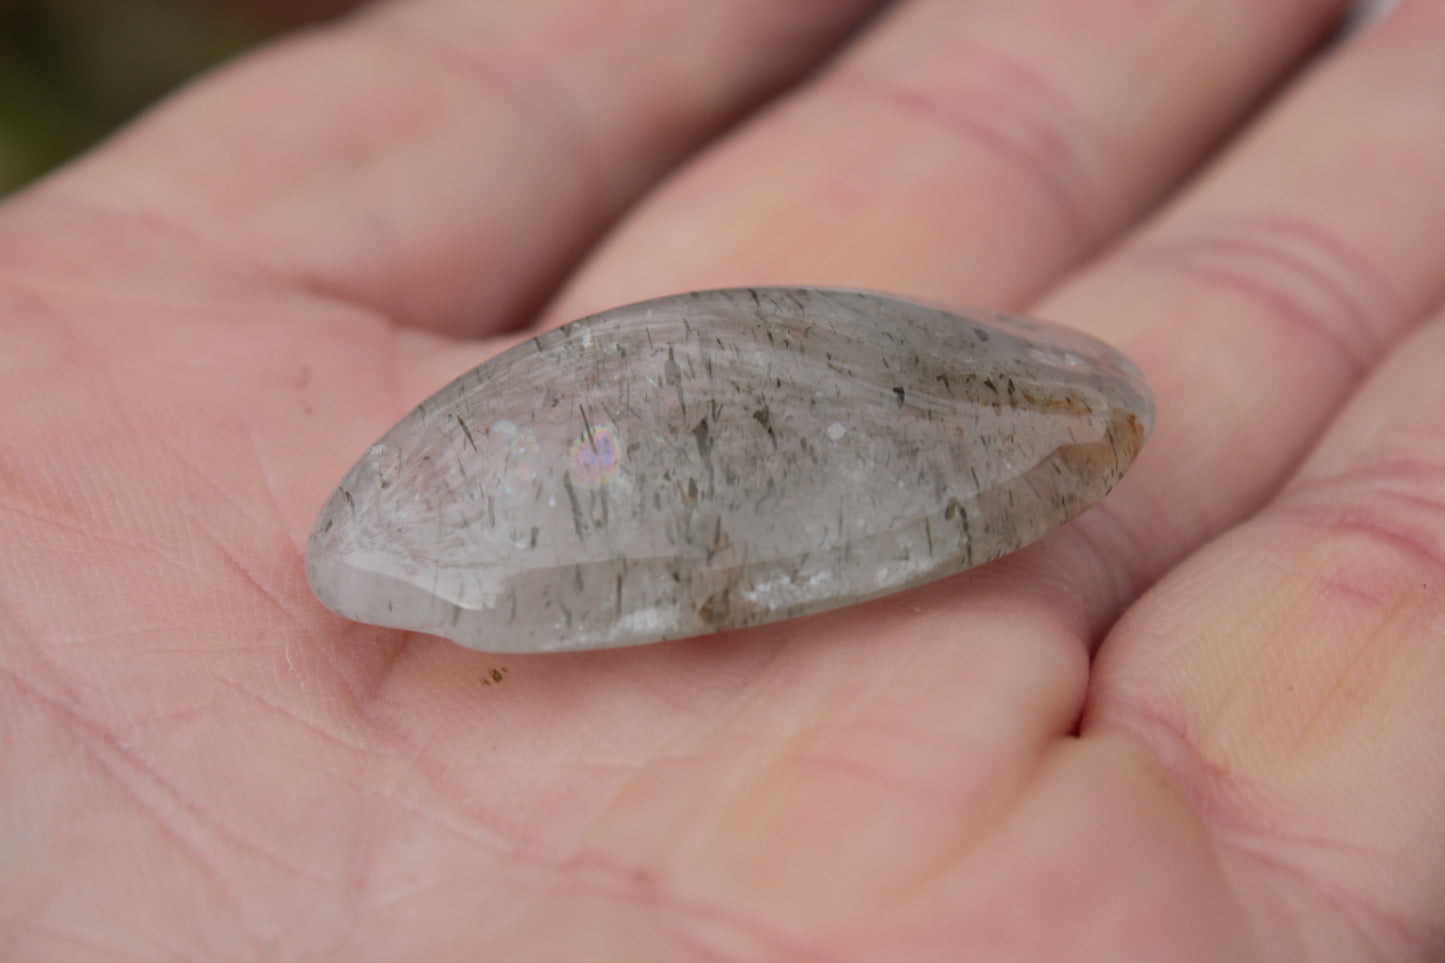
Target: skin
{"points": [[1201, 723]]}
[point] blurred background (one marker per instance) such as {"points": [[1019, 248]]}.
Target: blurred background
{"points": [[73, 70]]}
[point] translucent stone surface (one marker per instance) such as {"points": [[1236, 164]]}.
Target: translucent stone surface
{"points": [[721, 459]]}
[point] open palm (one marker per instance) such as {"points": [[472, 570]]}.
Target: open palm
{"points": [[1201, 723]]}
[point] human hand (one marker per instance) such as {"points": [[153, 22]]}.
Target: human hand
{"points": [[1197, 724]]}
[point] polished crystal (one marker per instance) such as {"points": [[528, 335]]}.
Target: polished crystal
{"points": [[722, 459]]}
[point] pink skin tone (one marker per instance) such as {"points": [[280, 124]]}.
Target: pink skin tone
{"points": [[1199, 724]]}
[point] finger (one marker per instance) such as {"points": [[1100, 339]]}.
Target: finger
{"points": [[1260, 300], [1290, 674], [444, 161], [964, 152]]}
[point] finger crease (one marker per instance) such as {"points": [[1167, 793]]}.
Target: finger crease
{"points": [[1306, 279], [1009, 110], [1397, 502]]}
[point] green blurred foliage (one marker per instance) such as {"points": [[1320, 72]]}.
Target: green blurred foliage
{"points": [[71, 71]]}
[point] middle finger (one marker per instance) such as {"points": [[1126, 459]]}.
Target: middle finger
{"points": [[964, 151]]}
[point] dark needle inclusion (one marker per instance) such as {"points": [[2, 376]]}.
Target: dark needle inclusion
{"points": [[722, 459]]}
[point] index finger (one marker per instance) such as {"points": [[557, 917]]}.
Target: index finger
{"points": [[444, 161]]}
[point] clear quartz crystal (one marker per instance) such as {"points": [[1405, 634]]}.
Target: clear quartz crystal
{"points": [[722, 459]]}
